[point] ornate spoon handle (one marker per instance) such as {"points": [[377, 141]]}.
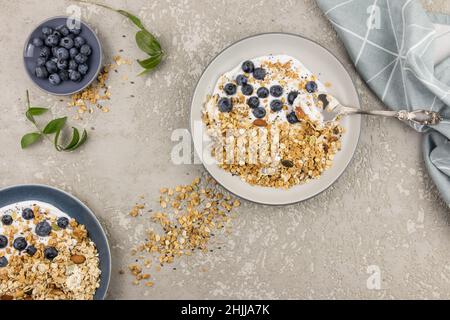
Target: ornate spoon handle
{"points": [[420, 117]]}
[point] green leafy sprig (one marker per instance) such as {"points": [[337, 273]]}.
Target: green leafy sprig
{"points": [[146, 41], [54, 127]]}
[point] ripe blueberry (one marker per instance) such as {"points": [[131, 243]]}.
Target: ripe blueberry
{"points": [[247, 89], [259, 73], [28, 214], [248, 67], [259, 112], [262, 92], [54, 79], [276, 105], [276, 91], [225, 105], [230, 89], [253, 102], [50, 253], [43, 229], [20, 244]]}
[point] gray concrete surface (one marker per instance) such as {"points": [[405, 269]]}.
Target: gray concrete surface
{"points": [[383, 214]]}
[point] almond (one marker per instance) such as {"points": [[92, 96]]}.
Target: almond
{"points": [[78, 259], [6, 297], [260, 123], [300, 113]]}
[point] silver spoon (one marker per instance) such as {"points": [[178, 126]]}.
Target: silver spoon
{"points": [[334, 109]]}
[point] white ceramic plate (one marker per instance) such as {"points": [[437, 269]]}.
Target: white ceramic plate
{"points": [[319, 61]]}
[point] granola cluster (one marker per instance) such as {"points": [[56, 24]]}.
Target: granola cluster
{"points": [[190, 216], [276, 138], [35, 273], [93, 94]]}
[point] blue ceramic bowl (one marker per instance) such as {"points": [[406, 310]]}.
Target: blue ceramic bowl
{"points": [[75, 209], [31, 53]]}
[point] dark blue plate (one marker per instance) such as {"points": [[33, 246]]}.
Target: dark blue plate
{"points": [[31, 53], [75, 209]]}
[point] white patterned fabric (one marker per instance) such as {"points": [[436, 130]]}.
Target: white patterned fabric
{"points": [[393, 44]]}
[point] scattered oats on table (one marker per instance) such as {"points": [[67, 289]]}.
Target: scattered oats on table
{"points": [[190, 216]]}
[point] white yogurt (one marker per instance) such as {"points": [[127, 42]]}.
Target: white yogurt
{"points": [[15, 210], [288, 85]]}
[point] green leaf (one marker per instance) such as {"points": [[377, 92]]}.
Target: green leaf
{"points": [[74, 141], [133, 18], [55, 125], [34, 111], [83, 139], [150, 63], [30, 117], [29, 139], [37, 111], [56, 141], [148, 43]]}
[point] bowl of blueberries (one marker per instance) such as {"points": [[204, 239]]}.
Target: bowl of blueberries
{"points": [[62, 57]]}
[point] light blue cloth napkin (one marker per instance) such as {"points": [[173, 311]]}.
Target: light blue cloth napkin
{"points": [[392, 44]]}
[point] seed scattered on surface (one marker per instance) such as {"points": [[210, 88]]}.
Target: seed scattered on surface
{"points": [[190, 216]]}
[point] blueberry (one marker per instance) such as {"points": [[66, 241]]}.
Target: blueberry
{"points": [[50, 253], [47, 31], [28, 214], [292, 96], [52, 40], [248, 67], [73, 52], [3, 241], [31, 250], [7, 220], [54, 79], [75, 31], [58, 34], [3, 262], [247, 89], [292, 118], [253, 102], [45, 52], [230, 89], [276, 91], [85, 49], [62, 222], [259, 73], [276, 105], [63, 30], [262, 92], [20, 244], [41, 72], [73, 65], [64, 75], [43, 229], [241, 80], [41, 61], [75, 76], [51, 66], [225, 105], [54, 51], [259, 112], [80, 58], [311, 87], [83, 69], [66, 43], [37, 42], [62, 53], [79, 41], [62, 64], [55, 60]]}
